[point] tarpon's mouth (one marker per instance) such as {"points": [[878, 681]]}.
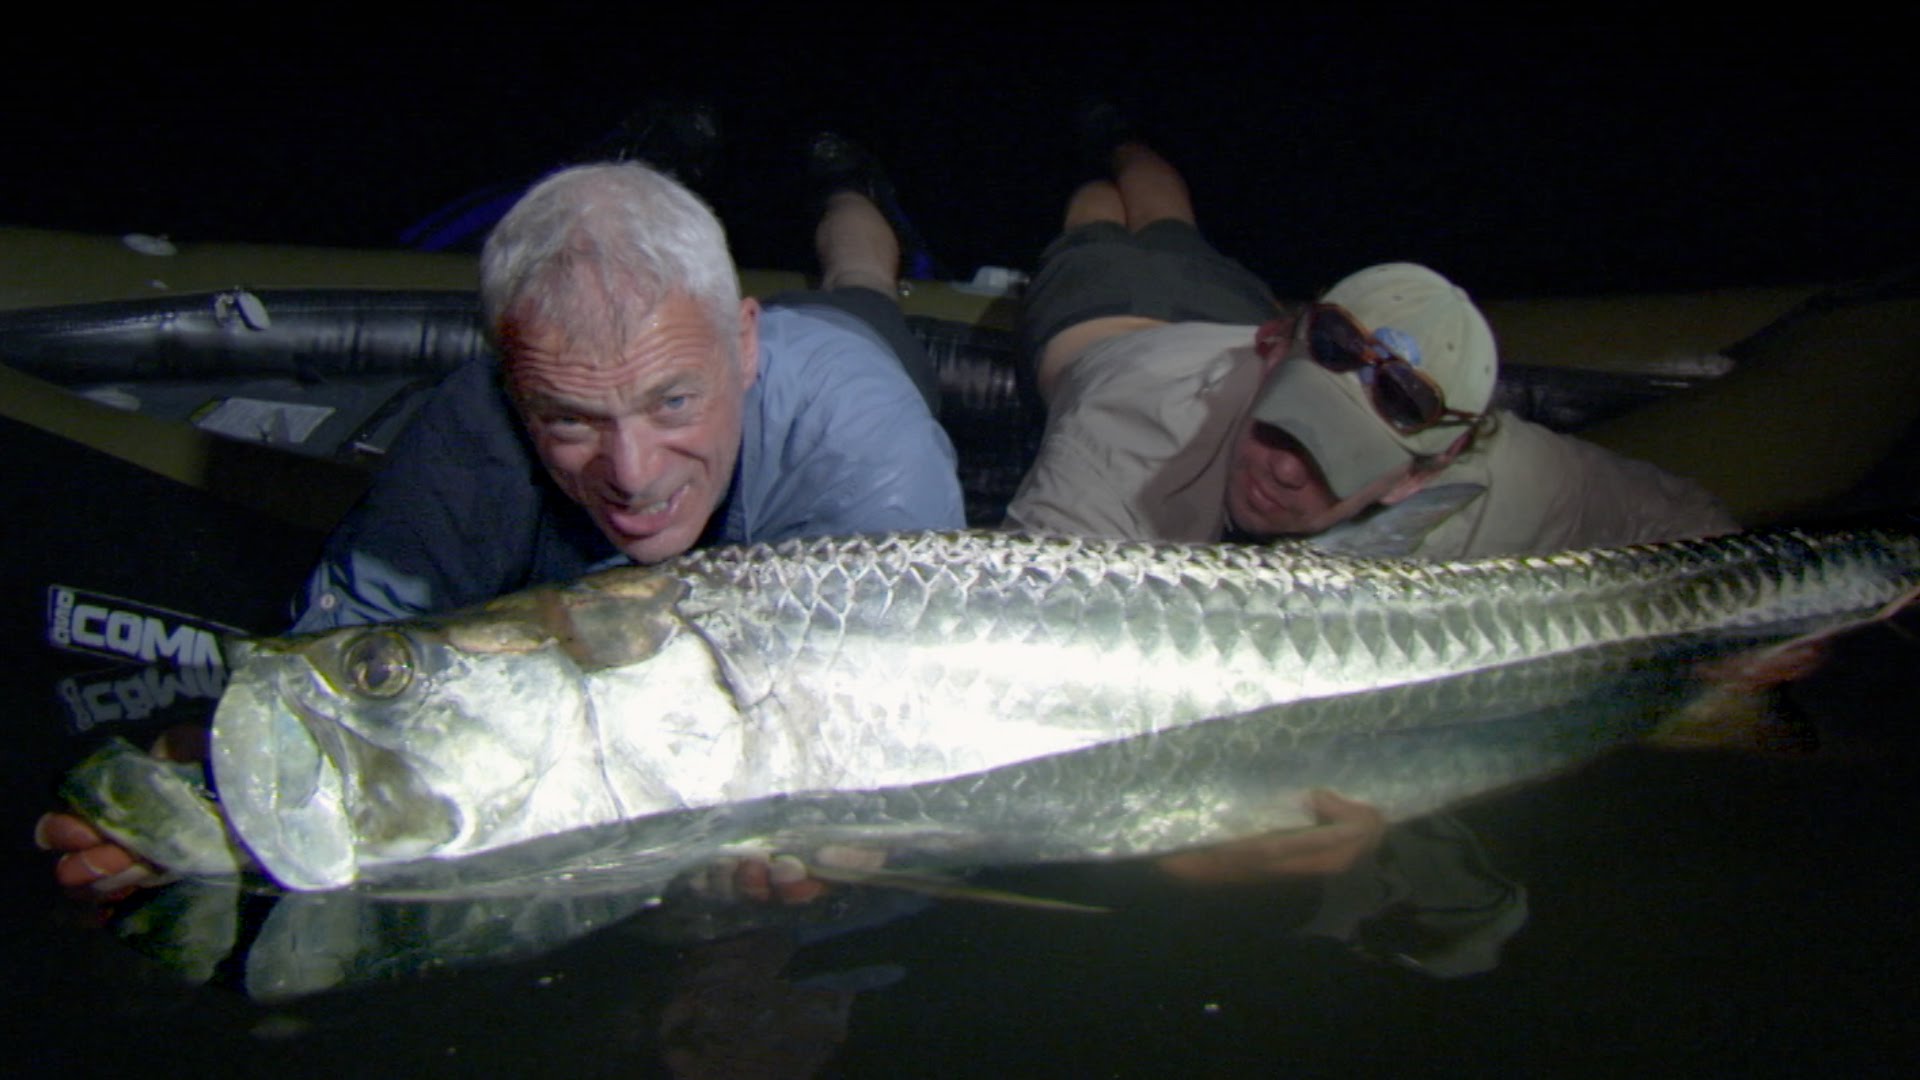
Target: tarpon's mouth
{"points": [[316, 796], [283, 792]]}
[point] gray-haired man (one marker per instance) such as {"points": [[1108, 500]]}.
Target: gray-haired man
{"points": [[642, 407]]}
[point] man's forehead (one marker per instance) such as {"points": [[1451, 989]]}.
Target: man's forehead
{"points": [[590, 304], [588, 377], [675, 329]]}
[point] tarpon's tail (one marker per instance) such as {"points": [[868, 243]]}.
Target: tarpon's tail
{"points": [[1737, 709]]}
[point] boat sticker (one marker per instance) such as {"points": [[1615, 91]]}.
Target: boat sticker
{"points": [[99, 625], [280, 423]]}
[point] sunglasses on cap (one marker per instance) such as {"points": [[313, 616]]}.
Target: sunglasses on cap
{"points": [[1405, 397]]}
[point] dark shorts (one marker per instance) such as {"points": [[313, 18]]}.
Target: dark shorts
{"points": [[1165, 271]]}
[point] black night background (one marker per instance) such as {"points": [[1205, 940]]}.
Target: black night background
{"points": [[1521, 157]]}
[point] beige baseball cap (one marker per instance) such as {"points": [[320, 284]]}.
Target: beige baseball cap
{"points": [[1416, 313]]}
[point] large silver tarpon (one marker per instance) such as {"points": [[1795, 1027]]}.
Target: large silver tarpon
{"points": [[977, 698]]}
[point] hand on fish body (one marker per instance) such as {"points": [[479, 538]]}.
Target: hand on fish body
{"points": [[764, 876], [90, 867], [985, 698], [1345, 831]]}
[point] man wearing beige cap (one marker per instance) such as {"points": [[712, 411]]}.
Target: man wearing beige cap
{"points": [[1185, 404]]}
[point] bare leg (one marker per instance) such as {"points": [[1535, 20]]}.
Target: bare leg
{"points": [[1151, 189], [1095, 201], [1146, 188], [856, 246]]}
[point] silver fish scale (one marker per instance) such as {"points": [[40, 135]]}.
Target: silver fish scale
{"points": [[1168, 634], [990, 697], [1539, 661]]}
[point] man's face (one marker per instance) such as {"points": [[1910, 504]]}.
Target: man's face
{"points": [[1274, 487], [643, 434]]}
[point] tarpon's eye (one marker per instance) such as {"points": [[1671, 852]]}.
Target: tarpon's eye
{"points": [[378, 664]]}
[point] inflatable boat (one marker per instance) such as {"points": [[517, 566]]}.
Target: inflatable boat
{"points": [[187, 421]]}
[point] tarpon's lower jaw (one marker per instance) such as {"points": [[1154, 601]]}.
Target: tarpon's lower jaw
{"points": [[278, 786]]}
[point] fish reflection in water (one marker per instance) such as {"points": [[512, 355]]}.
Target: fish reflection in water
{"points": [[725, 1002], [729, 1008], [733, 1013]]}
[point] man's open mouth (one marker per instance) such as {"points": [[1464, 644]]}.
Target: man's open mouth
{"points": [[647, 519]]}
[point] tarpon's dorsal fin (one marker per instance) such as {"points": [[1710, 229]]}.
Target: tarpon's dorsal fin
{"points": [[1397, 530], [615, 619], [605, 620]]}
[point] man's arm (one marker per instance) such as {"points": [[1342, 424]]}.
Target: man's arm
{"points": [[889, 467], [1552, 492], [1137, 434], [842, 442], [1344, 832], [1627, 501], [1068, 491], [352, 588], [450, 519]]}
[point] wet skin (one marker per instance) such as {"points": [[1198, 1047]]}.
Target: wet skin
{"points": [[642, 432], [1344, 832]]}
